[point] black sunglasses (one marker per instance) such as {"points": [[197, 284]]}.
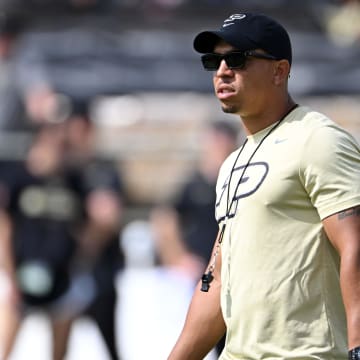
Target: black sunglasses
{"points": [[233, 60]]}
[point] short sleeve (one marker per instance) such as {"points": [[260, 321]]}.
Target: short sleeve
{"points": [[330, 170]]}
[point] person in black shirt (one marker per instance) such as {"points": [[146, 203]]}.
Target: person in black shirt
{"points": [[61, 209], [99, 258], [39, 208], [186, 228]]}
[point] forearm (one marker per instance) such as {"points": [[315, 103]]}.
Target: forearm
{"points": [[343, 230], [350, 284], [204, 325]]}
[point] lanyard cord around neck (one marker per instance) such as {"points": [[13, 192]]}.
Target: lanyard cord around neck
{"points": [[208, 277]]}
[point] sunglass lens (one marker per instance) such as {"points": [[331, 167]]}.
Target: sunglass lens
{"points": [[235, 60], [211, 61]]}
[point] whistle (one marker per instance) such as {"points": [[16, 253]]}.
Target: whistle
{"points": [[206, 279]]}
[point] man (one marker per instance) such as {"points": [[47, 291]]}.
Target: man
{"points": [[284, 278]]}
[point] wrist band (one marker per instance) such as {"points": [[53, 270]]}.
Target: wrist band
{"points": [[354, 354]]}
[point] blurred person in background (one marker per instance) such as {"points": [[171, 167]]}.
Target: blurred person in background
{"points": [[60, 219], [189, 217], [39, 207], [98, 258], [186, 228]]}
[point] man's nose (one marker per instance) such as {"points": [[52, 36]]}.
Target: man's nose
{"points": [[223, 68]]}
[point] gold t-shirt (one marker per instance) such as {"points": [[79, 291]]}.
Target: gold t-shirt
{"points": [[280, 294]]}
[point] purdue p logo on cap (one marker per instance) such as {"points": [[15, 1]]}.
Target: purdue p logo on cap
{"points": [[248, 31]]}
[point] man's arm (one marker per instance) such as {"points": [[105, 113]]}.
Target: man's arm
{"points": [[204, 324], [343, 230]]}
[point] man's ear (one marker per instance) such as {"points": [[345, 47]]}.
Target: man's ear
{"points": [[281, 72]]}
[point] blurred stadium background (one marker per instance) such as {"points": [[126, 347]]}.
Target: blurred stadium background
{"points": [[132, 61]]}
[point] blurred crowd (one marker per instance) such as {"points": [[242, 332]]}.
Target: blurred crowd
{"points": [[67, 243]]}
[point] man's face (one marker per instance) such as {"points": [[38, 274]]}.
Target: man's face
{"points": [[243, 91]]}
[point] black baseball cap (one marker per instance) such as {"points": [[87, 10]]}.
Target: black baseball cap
{"points": [[248, 31]]}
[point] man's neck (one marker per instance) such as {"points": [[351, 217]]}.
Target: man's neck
{"points": [[254, 123]]}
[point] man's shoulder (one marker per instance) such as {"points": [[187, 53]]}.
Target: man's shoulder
{"points": [[314, 117], [309, 121]]}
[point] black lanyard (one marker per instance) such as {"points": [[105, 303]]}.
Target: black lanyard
{"points": [[208, 277]]}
